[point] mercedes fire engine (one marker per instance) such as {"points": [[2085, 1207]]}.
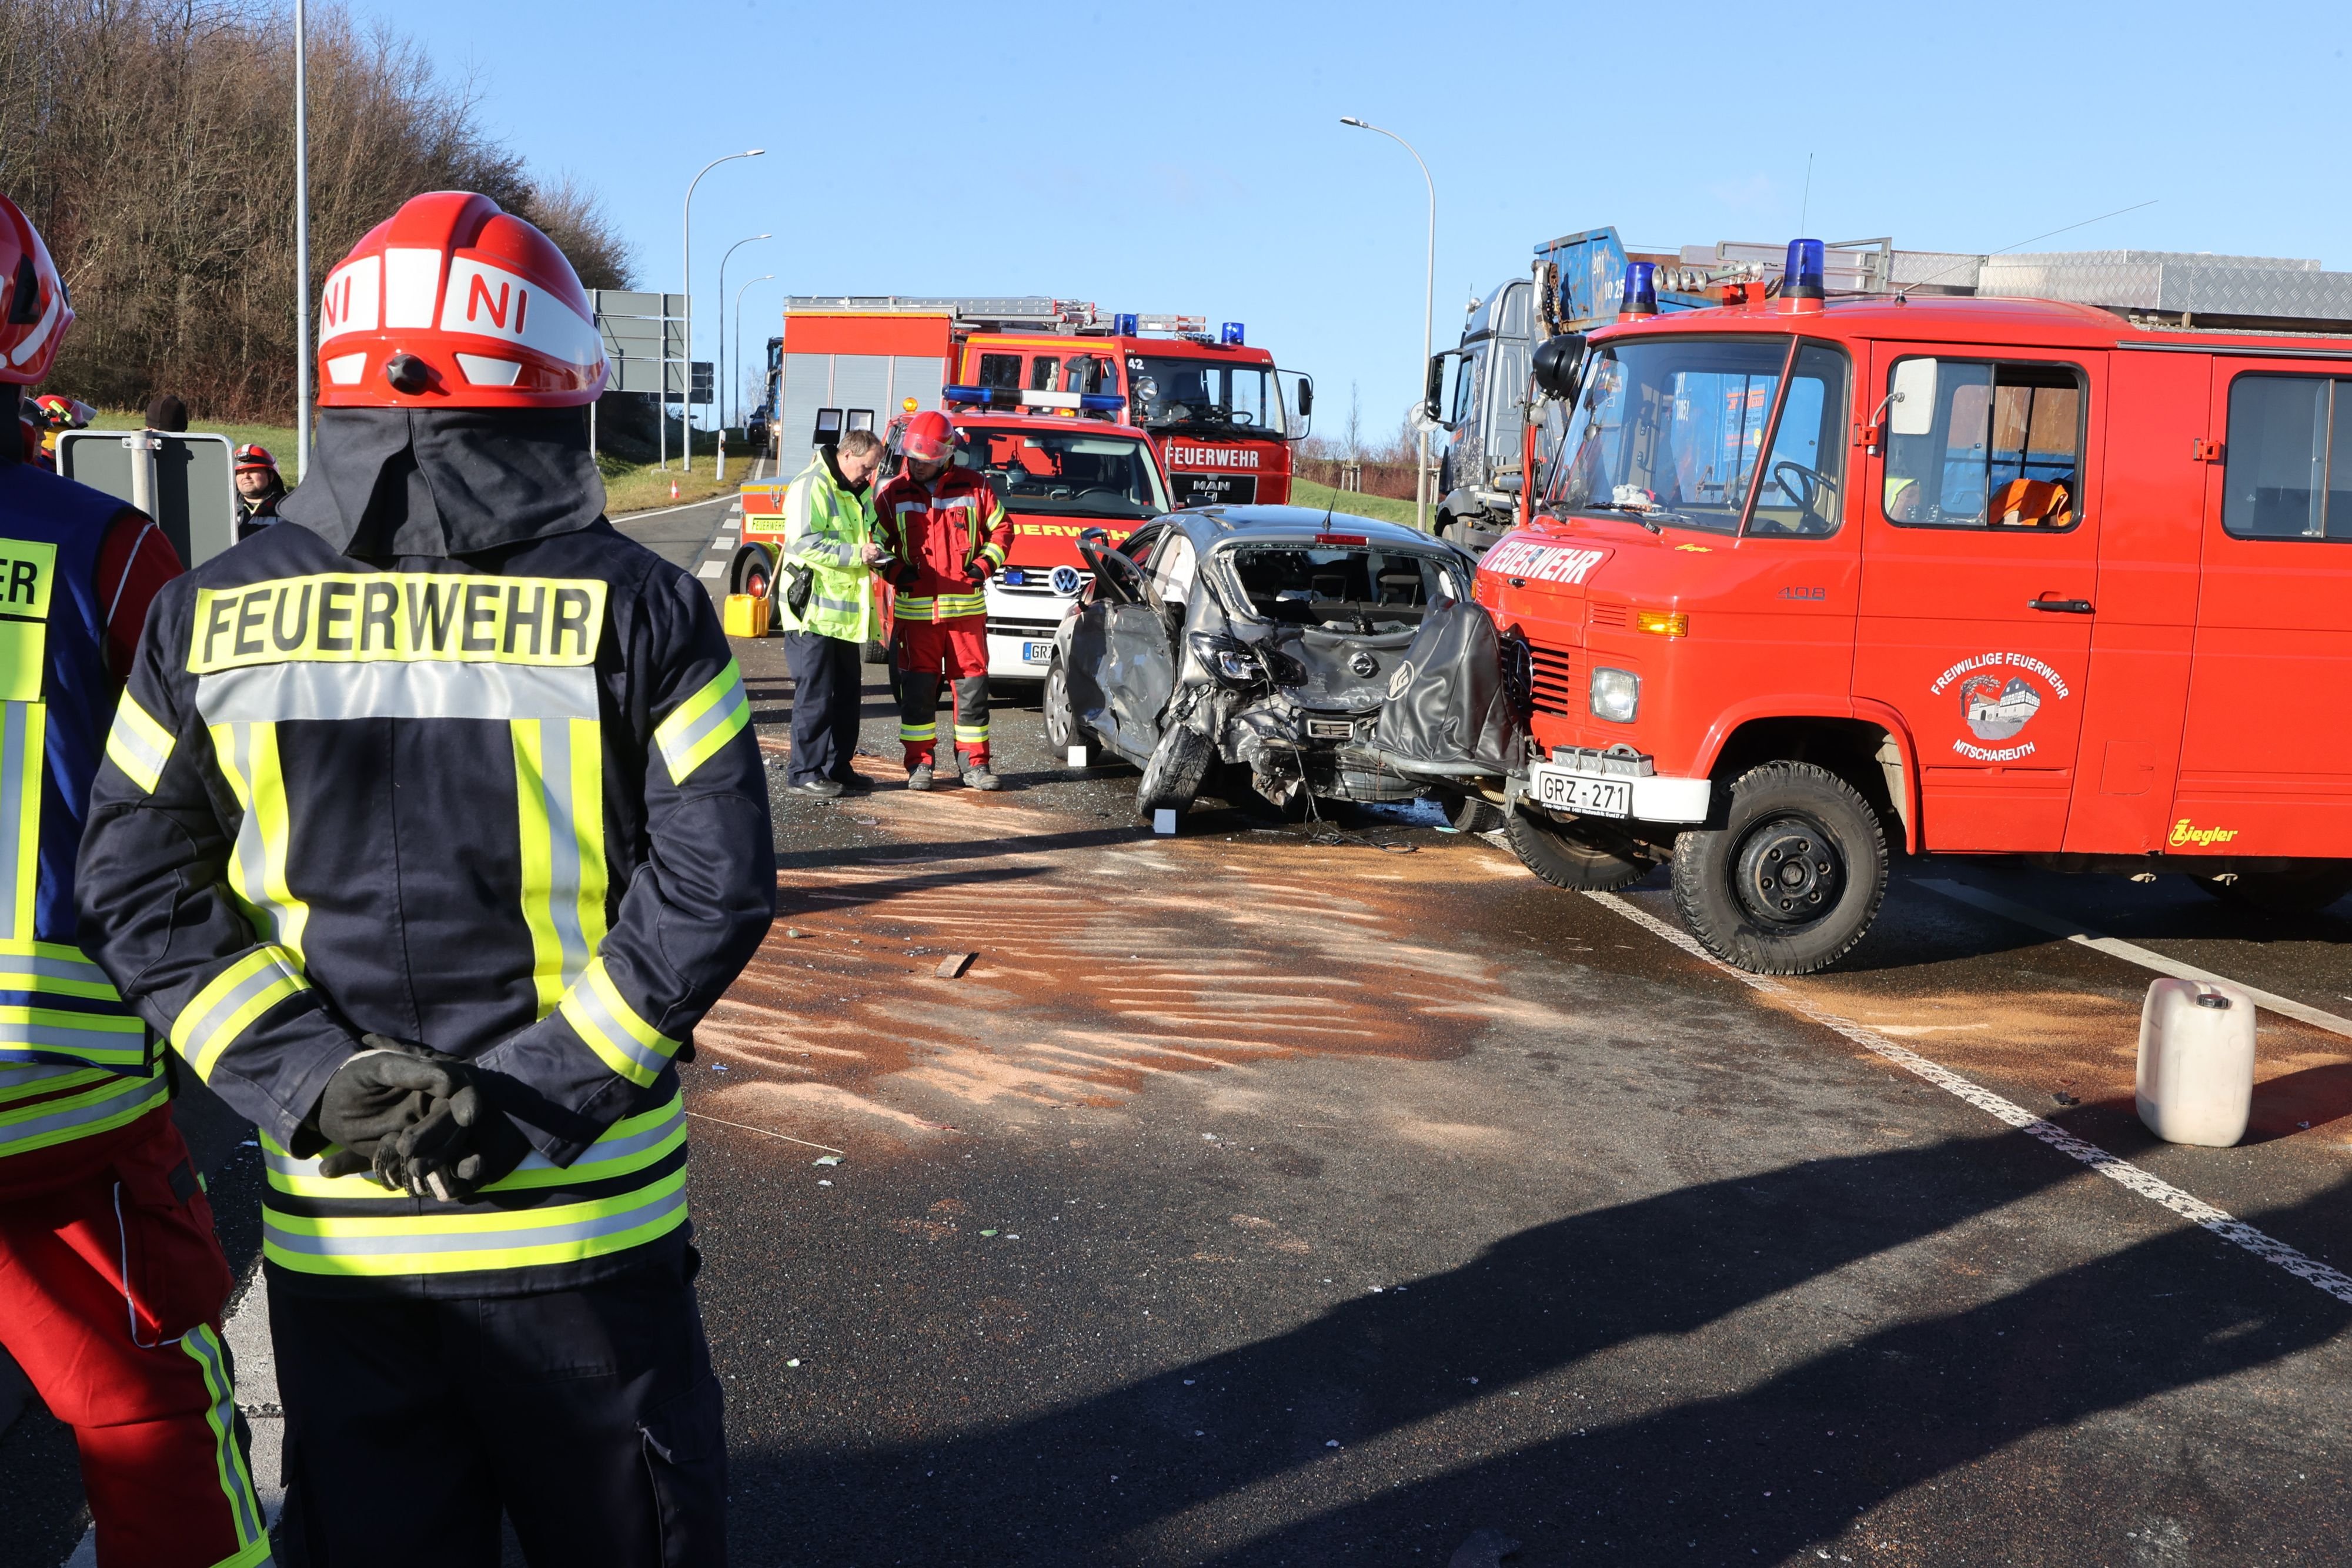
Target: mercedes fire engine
{"points": [[2022, 555], [1112, 413]]}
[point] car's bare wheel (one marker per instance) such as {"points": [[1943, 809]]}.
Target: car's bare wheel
{"points": [[1582, 856], [1794, 877], [1061, 724]]}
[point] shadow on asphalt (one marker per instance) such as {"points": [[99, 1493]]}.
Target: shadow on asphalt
{"points": [[1763, 1473], [898, 852]]}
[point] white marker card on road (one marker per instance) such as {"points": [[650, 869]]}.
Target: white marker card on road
{"points": [[2132, 953], [711, 568], [2122, 1172]]}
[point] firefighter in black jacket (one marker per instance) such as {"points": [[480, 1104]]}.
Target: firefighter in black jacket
{"points": [[432, 825]]}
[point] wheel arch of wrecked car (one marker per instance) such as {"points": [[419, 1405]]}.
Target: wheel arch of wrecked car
{"points": [[1864, 741]]}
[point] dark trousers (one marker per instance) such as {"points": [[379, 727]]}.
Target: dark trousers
{"points": [[589, 1415], [826, 681]]}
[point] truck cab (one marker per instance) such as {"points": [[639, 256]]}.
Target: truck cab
{"points": [[1959, 574]]}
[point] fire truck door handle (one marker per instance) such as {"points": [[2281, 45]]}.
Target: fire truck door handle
{"points": [[2062, 606]]}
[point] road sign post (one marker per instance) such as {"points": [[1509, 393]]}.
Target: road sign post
{"points": [[184, 482]]}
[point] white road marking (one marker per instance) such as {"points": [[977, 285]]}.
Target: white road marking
{"points": [[664, 511], [2131, 952], [711, 568], [2122, 1172]]}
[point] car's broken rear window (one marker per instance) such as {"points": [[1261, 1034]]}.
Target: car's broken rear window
{"points": [[1342, 588]]}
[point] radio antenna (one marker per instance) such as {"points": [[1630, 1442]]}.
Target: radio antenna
{"points": [[2070, 228], [1805, 211]]}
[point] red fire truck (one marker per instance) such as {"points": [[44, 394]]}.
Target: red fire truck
{"points": [[1215, 418], [2037, 562]]}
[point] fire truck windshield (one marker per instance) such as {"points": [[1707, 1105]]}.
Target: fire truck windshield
{"points": [[1211, 396], [1079, 473], [1670, 431]]}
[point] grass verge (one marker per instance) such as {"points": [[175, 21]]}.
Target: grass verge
{"points": [[1351, 502]]}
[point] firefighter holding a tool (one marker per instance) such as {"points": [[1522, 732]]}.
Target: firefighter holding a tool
{"points": [[948, 533], [432, 824], [826, 600], [111, 1280]]}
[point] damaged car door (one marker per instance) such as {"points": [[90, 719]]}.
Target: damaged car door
{"points": [[1122, 662]]}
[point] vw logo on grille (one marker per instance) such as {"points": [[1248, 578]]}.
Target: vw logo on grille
{"points": [[1065, 579]]}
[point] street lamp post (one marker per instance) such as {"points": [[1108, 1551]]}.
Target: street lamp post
{"points": [[763, 277], [720, 389], [301, 248], [686, 248], [1428, 310]]}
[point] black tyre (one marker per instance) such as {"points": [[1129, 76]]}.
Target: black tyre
{"points": [[1471, 813], [1794, 877], [1173, 775], [876, 652], [2306, 890], [1582, 856], [1062, 731]]}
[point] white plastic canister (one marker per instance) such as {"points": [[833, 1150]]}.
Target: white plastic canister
{"points": [[2196, 1082]]}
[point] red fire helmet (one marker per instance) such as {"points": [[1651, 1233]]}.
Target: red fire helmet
{"points": [[250, 457], [928, 438], [35, 314], [454, 303]]}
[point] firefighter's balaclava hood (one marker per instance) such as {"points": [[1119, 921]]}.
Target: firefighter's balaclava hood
{"points": [[439, 482], [455, 353]]}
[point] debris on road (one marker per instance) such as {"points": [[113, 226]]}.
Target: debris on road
{"points": [[826, 1160], [953, 965]]}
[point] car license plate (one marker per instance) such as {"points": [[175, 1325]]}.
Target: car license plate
{"points": [[1329, 728], [1037, 653], [1559, 789]]}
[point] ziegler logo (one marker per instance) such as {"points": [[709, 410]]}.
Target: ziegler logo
{"points": [[1541, 563], [1212, 457], [2183, 835]]}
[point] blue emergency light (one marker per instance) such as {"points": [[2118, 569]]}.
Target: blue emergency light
{"points": [[1125, 325], [1641, 290], [1232, 335], [969, 394], [1802, 277], [1101, 403]]}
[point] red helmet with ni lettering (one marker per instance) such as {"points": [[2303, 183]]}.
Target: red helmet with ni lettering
{"points": [[34, 309], [453, 302], [928, 438]]}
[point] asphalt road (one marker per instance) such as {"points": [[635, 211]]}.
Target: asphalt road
{"points": [[1268, 1196]]}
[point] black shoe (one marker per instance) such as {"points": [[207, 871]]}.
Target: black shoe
{"points": [[855, 783], [920, 778], [979, 777], [814, 789]]}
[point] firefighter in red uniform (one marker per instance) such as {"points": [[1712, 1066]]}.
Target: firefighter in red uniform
{"points": [[949, 533], [111, 1280]]}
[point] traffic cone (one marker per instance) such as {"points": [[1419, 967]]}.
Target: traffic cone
{"points": [[673, 490]]}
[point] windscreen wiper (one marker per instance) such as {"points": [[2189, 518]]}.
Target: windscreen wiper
{"points": [[1645, 516]]}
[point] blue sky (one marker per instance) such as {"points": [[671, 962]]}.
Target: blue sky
{"points": [[1190, 157]]}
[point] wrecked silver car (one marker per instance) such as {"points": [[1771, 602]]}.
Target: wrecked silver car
{"points": [[1262, 638]]}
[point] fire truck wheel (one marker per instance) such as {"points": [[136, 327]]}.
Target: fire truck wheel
{"points": [[1582, 856], [2306, 890], [876, 652], [1791, 880], [1469, 813], [1173, 775]]}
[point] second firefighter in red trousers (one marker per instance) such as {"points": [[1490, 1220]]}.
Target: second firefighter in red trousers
{"points": [[948, 534]]}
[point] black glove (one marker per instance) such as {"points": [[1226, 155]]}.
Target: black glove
{"points": [[463, 1145], [385, 1089], [983, 569]]}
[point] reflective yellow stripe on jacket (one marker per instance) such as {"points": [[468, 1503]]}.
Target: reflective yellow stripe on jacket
{"points": [[351, 1226], [703, 722], [81, 1103]]}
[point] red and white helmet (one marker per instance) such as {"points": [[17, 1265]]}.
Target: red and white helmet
{"points": [[454, 303], [34, 309], [928, 438]]}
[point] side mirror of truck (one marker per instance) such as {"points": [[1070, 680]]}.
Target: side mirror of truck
{"points": [[1306, 396], [1430, 408], [1911, 405], [1557, 363]]}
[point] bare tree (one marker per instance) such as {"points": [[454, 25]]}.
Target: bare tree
{"points": [[152, 142]]}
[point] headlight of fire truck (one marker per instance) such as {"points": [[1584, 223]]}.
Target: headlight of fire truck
{"points": [[1616, 695]]}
